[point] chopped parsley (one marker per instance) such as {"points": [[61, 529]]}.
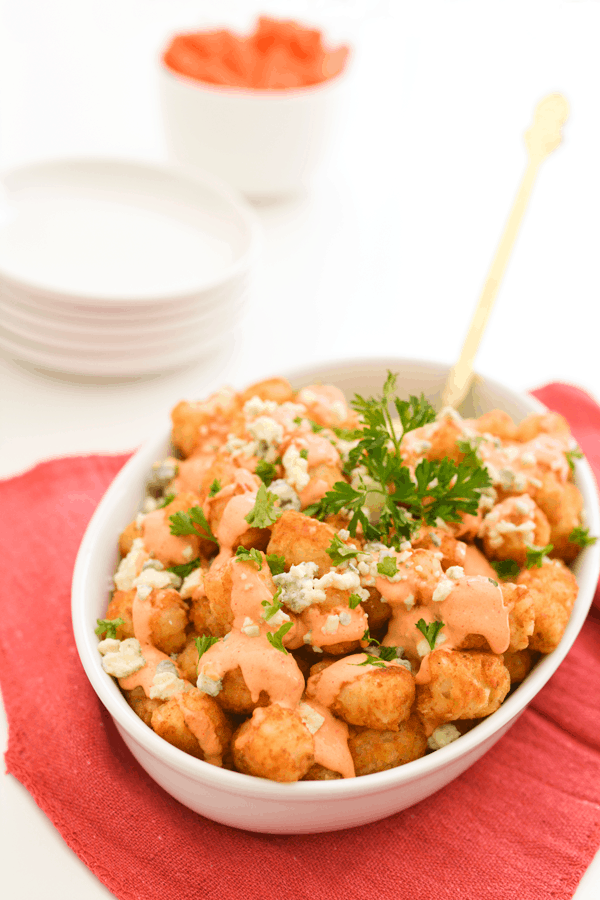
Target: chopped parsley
{"points": [[506, 569], [430, 631], [186, 568], [214, 488], [266, 471], [250, 556], [315, 428], [338, 552], [109, 626], [439, 488], [185, 523], [388, 566], [276, 638], [204, 643], [264, 512], [535, 555], [166, 500], [354, 601], [273, 607], [494, 582], [304, 453], [572, 455], [276, 563], [581, 537], [384, 654]]}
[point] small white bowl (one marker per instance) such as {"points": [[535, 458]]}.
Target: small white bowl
{"points": [[267, 143], [255, 804]]}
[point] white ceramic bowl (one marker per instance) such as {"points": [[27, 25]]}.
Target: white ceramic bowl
{"points": [[255, 804], [267, 143]]}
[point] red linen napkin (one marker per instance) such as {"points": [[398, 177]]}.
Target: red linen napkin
{"points": [[523, 822]]}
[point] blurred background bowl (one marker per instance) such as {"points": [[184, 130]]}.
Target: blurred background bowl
{"points": [[267, 143]]}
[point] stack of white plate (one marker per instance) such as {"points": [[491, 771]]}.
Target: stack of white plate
{"points": [[117, 268]]}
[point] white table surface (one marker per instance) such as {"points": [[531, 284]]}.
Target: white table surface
{"points": [[386, 255]]}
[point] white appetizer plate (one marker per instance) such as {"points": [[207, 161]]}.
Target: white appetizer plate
{"points": [[255, 804]]}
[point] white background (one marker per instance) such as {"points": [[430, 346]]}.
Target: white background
{"points": [[387, 254]]}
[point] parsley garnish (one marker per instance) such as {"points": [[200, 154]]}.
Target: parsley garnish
{"points": [[535, 555], [354, 601], [186, 568], [408, 501], [263, 513], [385, 654], [581, 536], [276, 563], [572, 455], [166, 500], [204, 643], [506, 569], [304, 453], [388, 566], [273, 607], [250, 556], [494, 582], [184, 523], [266, 471], [109, 626], [297, 421], [214, 488], [430, 631], [315, 428], [338, 552], [276, 638]]}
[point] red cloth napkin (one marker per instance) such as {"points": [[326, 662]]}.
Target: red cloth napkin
{"points": [[523, 822]]}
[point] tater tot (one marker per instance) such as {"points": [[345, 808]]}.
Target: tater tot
{"points": [[128, 536], [120, 607], [440, 541], [521, 616], [187, 661], [277, 389], [376, 751], [235, 696], [196, 724], [142, 705], [519, 664], [274, 744], [168, 620], [320, 773], [298, 538], [497, 423], [542, 423], [204, 425], [378, 612], [379, 699], [562, 504], [511, 526], [553, 591], [463, 685]]}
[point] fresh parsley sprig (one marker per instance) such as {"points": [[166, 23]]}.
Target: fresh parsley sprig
{"points": [[572, 455], [439, 488], [430, 631], [191, 522], [264, 512], [353, 601], [338, 552], [581, 537], [166, 500], [250, 556], [185, 569], [506, 569], [273, 607], [204, 643], [276, 638], [266, 471], [276, 563], [535, 555], [388, 566], [109, 626], [214, 488]]}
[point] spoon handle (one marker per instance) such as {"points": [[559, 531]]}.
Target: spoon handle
{"points": [[541, 139]]}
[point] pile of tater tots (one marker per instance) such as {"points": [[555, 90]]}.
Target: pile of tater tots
{"points": [[317, 589]]}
